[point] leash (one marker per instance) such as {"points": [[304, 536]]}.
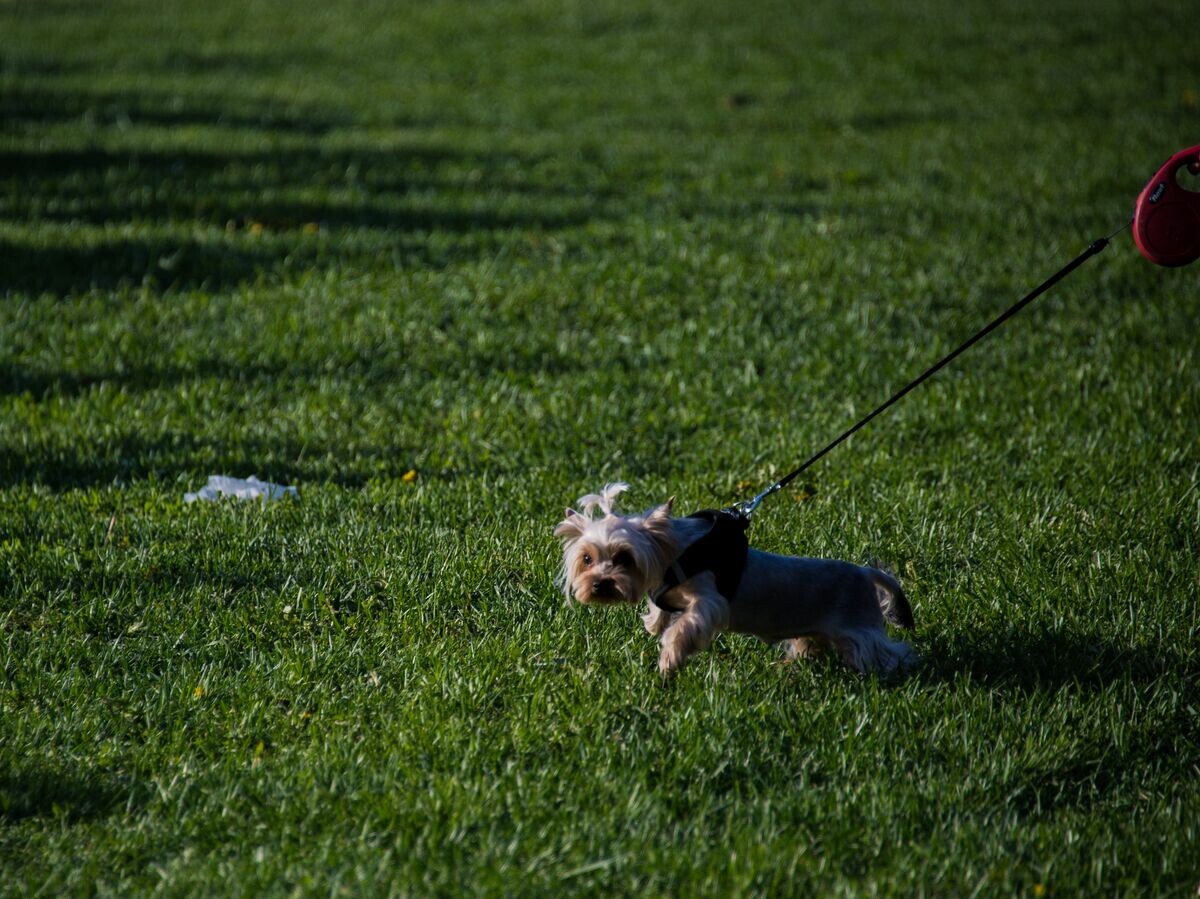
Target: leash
{"points": [[1166, 230], [746, 508]]}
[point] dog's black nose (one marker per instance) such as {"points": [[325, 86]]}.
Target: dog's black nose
{"points": [[604, 586]]}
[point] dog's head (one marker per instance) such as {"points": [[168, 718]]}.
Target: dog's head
{"points": [[613, 558]]}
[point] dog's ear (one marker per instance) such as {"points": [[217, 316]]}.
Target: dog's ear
{"points": [[658, 524], [572, 525], [661, 513]]}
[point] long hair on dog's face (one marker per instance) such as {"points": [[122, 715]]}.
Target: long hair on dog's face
{"points": [[613, 558]]}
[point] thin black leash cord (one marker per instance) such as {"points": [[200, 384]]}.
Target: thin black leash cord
{"points": [[746, 508]]}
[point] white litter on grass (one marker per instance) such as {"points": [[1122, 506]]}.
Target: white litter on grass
{"points": [[250, 488]]}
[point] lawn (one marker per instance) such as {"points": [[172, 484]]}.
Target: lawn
{"points": [[445, 268]]}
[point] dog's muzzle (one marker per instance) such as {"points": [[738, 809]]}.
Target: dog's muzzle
{"points": [[604, 588]]}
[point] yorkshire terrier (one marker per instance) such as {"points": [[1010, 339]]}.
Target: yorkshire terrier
{"points": [[810, 605]]}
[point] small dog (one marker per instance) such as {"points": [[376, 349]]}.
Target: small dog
{"points": [[809, 604]]}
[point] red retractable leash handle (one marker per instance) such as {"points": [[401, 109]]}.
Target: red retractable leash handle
{"points": [[1166, 218]]}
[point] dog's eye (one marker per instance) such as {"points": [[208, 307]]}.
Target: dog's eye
{"points": [[587, 559], [623, 559]]}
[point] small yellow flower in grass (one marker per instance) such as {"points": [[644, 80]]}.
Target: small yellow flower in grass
{"points": [[1039, 890], [197, 693], [805, 493], [311, 228], [256, 228], [410, 476]]}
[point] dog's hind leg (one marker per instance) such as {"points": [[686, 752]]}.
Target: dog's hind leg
{"points": [[872, 652], [804, 648]]}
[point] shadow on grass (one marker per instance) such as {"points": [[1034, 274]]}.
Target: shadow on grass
{"points": [[64, 270], [1097, 773], [245, 210], [1045, 661], [40, 383], [44, 792], [126, 457], [32, 105], [1159, 747], [459, 358], [1102, 764]]}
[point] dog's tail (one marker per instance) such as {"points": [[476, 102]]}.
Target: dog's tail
{"points": [[892, 601]]}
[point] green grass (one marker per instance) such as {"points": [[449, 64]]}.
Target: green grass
{"points": [[521, 249]]}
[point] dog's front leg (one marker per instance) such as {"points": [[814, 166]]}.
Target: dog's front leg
{"points": [[692, 630], [656, 620], [683, 638]]}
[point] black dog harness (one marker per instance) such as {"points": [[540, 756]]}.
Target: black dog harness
{"points": [[722, 550]]}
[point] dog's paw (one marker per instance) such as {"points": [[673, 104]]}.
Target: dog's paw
{"points": [[668, 664]]}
